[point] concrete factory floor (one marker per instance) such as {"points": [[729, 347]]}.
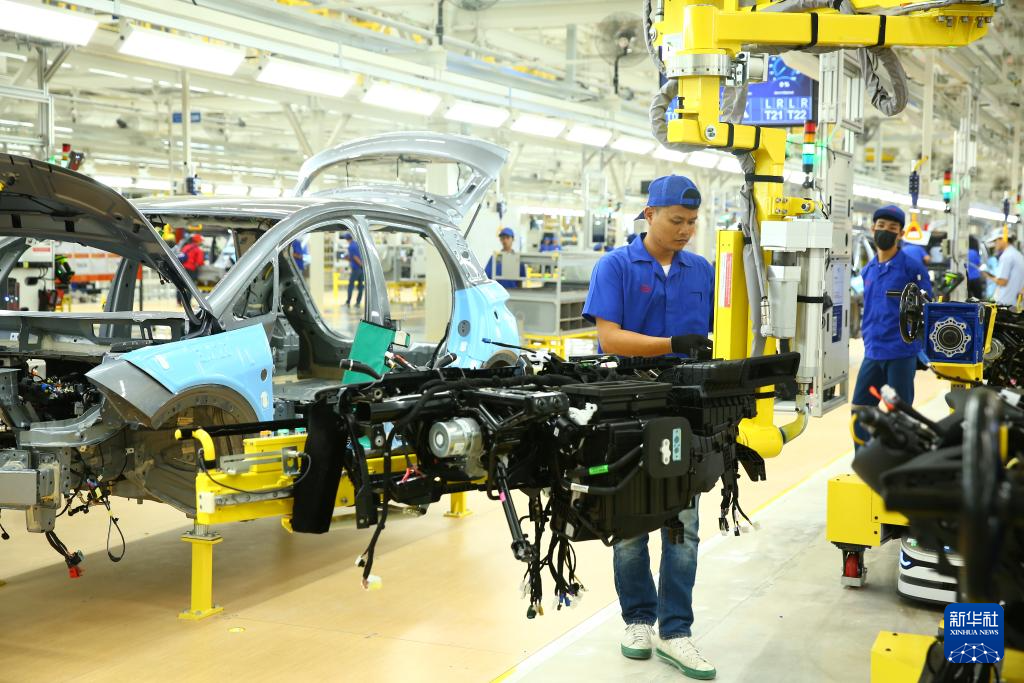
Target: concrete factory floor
{"points": [[769, 605]]}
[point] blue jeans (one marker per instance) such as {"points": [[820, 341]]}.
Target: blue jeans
{"points": [[356, 276], [671, 604], [899, 374]]}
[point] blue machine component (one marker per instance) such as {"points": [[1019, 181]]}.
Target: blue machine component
{"points": [[954, 332], [240, 360], [480, 312]]}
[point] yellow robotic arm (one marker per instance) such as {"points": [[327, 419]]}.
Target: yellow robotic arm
{"points": [[700, 41]]}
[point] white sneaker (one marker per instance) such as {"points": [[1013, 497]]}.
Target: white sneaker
{"points": [[636, 643], [684, 655]]}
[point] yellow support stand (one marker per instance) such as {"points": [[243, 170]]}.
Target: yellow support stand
{"points": [[457, 506], [202, 541]]}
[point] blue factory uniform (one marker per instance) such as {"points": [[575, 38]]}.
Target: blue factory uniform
{"points": [[631, 288], [914, 251], [976, 284], [887, 358], [356, 276]]}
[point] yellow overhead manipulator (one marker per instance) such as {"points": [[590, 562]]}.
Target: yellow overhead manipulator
{"points": [[705, 45]]}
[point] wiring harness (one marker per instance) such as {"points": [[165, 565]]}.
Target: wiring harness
{"points": [[598, 448]]}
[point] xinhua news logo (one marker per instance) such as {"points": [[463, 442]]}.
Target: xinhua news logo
{"points": [[974, 633]]}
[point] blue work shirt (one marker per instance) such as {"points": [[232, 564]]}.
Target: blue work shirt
{"points": [[973, 263], [914, 251], [353, 252], [507, 284], [629, 287], [880, 325]]}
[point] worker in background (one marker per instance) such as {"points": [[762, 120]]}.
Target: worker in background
{"points": [[300, 252], [1009, 277], [356, 276], [916, 251], [192, 256], [887, 358], [976, 284], [549, 243], [651, 298], [507, 237]]}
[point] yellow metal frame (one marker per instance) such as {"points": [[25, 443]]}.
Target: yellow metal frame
{"points": [[721, 27], [262, 476]]}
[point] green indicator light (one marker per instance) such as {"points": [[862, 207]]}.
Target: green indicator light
{"points": [[599, 469]]}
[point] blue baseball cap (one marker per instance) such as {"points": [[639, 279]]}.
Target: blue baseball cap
{"points": [[674, 190], [891, 213], [506, 232]]}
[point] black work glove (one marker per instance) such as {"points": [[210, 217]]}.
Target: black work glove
{"points": [[693, 345]]}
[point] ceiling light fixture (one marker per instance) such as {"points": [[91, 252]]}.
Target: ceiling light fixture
{"points": [[477, 114], [538, 125], [189, 53], [401, 99], [70, 28], [588, 135], [704, 160], [670, 155], [625, 143], [305, 78]]}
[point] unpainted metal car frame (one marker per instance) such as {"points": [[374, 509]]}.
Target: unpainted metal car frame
{"points": [[130, 388]]}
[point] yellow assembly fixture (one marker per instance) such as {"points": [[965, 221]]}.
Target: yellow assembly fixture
{"points": [[253, 485]]}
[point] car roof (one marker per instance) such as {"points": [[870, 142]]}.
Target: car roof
{"points": [[240, 207]]}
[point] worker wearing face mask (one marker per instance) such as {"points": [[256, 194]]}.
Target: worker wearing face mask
{"points": [[887, 358]]}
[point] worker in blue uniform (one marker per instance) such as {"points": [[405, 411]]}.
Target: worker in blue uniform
{"points": [[887, 358], [916, 251], [507, 237], [976, 284], [651, 298], [356, 274]]}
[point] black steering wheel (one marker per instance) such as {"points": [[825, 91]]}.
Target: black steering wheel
{"points": [[982, 522], [912, 301]]}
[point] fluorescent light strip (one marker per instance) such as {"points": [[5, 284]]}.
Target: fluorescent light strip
{"points": [[588, 135], [401, 99], [188, 53], [103, 72], [305, 78], [670, 155], [70, 28], [730, 164], [477, 114], [538, 125], [987, 214], [8, 122], [626, 143], [704, 160]]}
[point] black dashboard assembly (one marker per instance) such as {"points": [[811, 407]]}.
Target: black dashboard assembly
{"points": [[604, 448]]}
